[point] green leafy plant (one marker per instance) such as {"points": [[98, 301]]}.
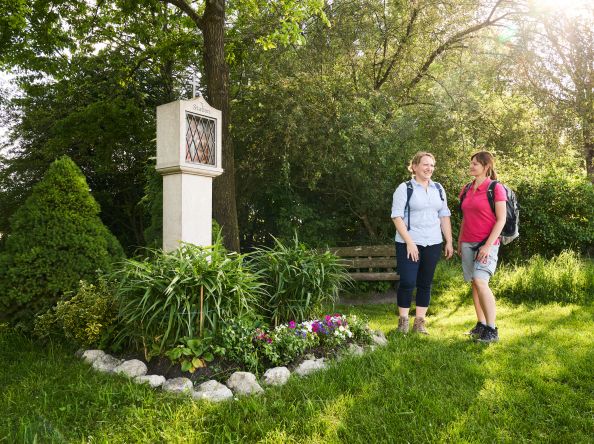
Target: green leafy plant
{"points": [[236, 343], [56, 240], [286, 344], [192, 353], [556, 214], [88, 318], [299, 280], [171, 295]]}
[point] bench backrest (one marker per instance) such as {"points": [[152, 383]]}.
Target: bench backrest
{"points": [[369, 262]]}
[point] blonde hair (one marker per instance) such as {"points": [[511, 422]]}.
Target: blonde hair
{"points": [[417, 160], [486, 159]]}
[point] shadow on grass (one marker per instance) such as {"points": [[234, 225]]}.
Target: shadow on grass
{"points": [[539, 382], [534, 385]]}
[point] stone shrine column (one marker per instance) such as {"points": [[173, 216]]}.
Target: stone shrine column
{"points": [[188, 157]]}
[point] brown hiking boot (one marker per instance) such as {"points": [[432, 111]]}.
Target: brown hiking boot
{"points": [[419, 326], [403, 324]]}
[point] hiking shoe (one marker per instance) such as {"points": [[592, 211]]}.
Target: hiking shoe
{"points": [[403, 324], [489, 335], [419, 326], [476, 331]]}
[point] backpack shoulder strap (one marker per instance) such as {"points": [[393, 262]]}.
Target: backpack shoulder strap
{"points": [[440, 189], [491, 194], [409, 192], [463, 195]]}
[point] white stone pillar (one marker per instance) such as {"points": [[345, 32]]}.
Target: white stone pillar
{"points": [[189, 157]]}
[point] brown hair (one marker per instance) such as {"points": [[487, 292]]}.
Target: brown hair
{"points": [[417, 159], [486, 159]]}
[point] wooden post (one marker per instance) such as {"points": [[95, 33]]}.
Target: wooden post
{"points": [[201, 307]]}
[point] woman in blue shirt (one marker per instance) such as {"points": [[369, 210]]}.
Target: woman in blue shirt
{"points": [[419, 227]]}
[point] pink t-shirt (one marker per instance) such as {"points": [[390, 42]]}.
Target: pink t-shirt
{"points": [[479, 219]]}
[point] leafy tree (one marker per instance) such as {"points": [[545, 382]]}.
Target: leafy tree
{"points": [[45, 42], [554, 53], [324, 131], [96, 105], [56, 240]]}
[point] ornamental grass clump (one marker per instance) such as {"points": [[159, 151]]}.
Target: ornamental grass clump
{"points": [[172, 295], [299, 280], [566, 278]]}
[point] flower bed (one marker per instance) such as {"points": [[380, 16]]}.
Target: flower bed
{"points": [[216, 369], [241, 345]]}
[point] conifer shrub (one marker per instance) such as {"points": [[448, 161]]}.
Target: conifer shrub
{"points": [[56, 240]]}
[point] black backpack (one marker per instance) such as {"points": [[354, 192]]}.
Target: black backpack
{"points": [[512, 214], [409, 192]]}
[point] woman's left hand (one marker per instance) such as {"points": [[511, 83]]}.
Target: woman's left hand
{"points": [[482, 254]]}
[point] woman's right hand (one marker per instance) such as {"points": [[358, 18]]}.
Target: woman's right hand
{"points": [[412, 252]]}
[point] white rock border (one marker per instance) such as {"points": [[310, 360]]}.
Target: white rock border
{"points": [[238, 384]]}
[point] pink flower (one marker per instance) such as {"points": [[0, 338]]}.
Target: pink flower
{"points": [[291, 324], [328, 317], [315, 327]]}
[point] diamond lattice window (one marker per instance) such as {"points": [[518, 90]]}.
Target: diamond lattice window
{"points": [[200, 139]]}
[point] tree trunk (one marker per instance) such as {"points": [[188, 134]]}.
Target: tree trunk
{"points": [[589, 152], [217, 95]]}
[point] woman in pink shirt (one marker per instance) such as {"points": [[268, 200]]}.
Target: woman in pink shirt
{"points": [[478, 243]]}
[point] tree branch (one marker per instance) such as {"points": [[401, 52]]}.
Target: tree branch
{"points": [[394, 58], [188, 10], [456, 38]]}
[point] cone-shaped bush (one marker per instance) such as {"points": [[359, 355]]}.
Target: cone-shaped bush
{"points": [[56, 239]]}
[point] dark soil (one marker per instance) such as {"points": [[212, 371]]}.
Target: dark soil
{"points": [[218, 369], [160, 365]]}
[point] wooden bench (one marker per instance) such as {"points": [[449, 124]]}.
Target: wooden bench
{"points": [[369, 262]]}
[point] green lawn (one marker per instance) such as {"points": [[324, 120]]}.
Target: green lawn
{"points": [[536, 385]]}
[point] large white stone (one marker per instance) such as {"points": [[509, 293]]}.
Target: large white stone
{"points": [[91, 356], [379, 338], [132, 368], [106, 363], [178, 385], [244, 383], [212, 391], [309, 366], [153, 380], [276, 376], [355, 350]]}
